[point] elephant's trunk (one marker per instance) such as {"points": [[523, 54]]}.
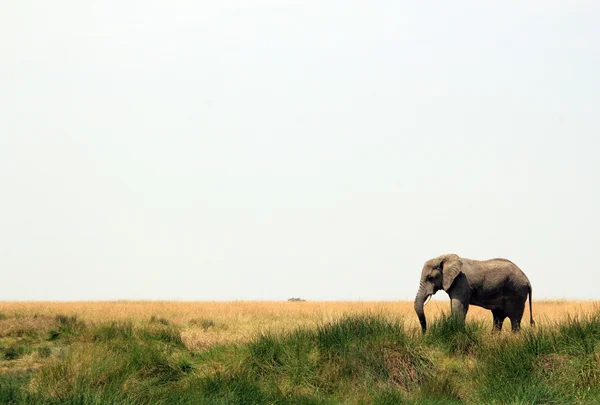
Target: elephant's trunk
{"points": [[419, 303]]}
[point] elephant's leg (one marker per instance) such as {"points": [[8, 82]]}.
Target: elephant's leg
{"points": [[459, 307], [515, 314], [498, 319]]}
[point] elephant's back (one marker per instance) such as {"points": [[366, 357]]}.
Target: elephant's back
{"points": [[501, 259], [517, 275], [504, 268]]}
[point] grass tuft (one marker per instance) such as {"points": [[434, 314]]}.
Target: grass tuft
{"points": [[44, 351], [204, 323], [14, 352], [113, 331], [162, 321], [455, 335], [370, 348], [66, 326], [239, 389], [517, 360], [165, 334], [339, 337], [579, 334]]}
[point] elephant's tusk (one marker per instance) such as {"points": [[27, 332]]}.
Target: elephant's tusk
{"points": [[427, 300]]}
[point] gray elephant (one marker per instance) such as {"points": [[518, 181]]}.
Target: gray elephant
{"points": [[496, 284]]}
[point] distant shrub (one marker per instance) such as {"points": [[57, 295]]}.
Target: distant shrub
{"points": [[293, 299]]}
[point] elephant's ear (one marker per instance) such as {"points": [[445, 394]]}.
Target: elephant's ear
{"points": [[450, 267]]}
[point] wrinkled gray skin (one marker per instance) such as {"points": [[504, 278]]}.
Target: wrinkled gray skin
{"points": [[496, 284]]}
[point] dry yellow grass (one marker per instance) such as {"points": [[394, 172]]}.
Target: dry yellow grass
{"points": [[205, 324]]}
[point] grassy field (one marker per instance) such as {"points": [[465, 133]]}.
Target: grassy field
{"points": [[293, 352]]}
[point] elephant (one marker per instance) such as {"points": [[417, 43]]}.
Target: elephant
{"points": [[495, 284]]}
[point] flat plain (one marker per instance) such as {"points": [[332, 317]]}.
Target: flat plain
{"points": [[206, 324]]}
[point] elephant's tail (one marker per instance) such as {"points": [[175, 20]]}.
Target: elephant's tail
{"points": [[531, 321]]}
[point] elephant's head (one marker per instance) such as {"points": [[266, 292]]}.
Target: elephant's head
{"points": [[437, 274]]}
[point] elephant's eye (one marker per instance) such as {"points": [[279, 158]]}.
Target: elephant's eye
{"points": [[429, 278]]}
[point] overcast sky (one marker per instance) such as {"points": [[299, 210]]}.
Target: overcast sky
{"points": [[225, 150]]}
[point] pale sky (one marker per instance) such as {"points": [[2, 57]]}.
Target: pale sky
{"points": [[235, 150]]}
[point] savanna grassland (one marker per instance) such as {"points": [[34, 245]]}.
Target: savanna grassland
{"points": [[131, 352]]}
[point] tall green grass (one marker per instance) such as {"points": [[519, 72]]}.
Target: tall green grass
{"points": [[545, 365], [454, 335], [359, 359]]}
